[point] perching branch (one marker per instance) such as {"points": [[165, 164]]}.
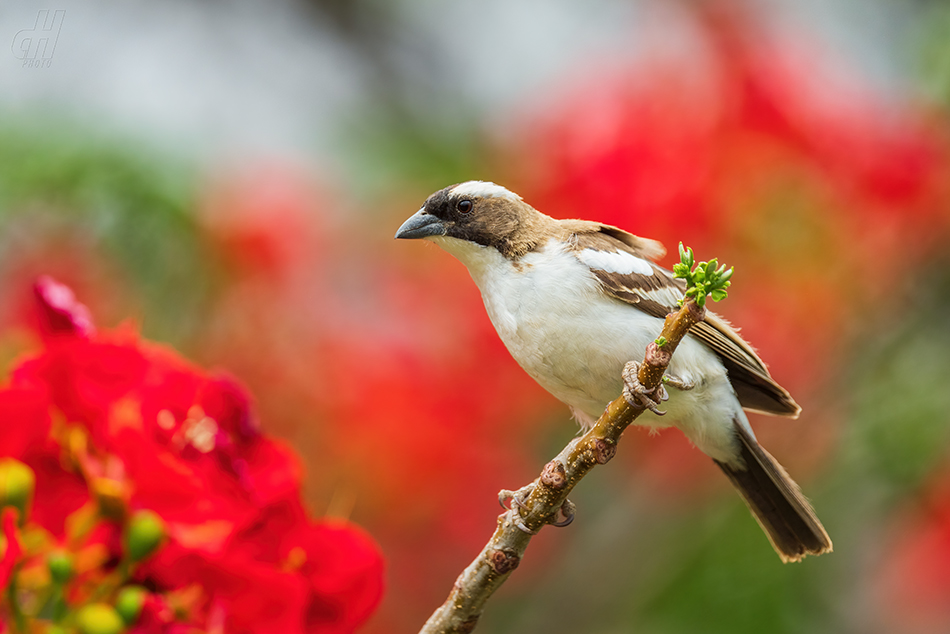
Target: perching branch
{"points": [[548, 494]]}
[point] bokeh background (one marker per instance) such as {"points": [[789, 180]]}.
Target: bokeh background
{"points": [[229, 175]]}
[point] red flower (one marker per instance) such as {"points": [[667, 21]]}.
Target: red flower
{"points": [[304, 576], [13, 548], [137, 427], [60, 313], [344, 573], [26, 414]]}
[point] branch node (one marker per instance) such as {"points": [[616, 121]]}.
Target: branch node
{"points": [[696, 311], [604, 450], [502, 561], [657, 356], [554, 475]]}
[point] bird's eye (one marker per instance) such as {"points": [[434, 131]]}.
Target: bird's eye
{"points": [[464, 206]]}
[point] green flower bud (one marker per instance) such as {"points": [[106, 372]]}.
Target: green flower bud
{"points": [[129, 603], [60, 566], [111, 496], [17, 483], [145, 534], [98, 618]]}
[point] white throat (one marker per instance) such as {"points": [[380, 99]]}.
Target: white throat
{"points": [[481, 261]]}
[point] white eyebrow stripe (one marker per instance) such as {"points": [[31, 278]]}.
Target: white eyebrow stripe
{"points": [[484, 189], [615, 262]]}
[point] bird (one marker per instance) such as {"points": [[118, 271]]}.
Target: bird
{"points": [[576, 301]]}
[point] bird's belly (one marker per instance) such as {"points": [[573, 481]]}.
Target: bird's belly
{"points": [[572, 339]]}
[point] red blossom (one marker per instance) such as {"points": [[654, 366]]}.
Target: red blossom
{"points": [[13, 548], [157, 617], [60, 312], [343, 570], [322, 578], [137, 427], [25, 411]]}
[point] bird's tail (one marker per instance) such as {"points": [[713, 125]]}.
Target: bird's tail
{"points": [[776, 501]]}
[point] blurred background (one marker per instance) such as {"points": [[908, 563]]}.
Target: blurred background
{"points": [[229, 175]]}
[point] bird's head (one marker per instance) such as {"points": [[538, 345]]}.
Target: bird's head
{"points": [[476, 213]]}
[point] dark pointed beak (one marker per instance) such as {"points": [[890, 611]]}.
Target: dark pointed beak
{"points": [[421, 225]]}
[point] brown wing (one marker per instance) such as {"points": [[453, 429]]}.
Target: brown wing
{"points": [[657, 293]]}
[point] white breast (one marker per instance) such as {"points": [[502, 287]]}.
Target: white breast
{"points": [[557, 324]]}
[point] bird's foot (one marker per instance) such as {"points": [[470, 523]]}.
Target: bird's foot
{"points": [[681, 384], [516, 500], [506, 496], [638, 396], [514, 497]]}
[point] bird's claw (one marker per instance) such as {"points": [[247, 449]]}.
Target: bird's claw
{"points": [[515, 497], [638, 396], [568, 511], [677, 382], [512, 501]]}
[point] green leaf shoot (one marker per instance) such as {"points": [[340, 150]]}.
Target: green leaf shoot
{"points": [[704, 280]]}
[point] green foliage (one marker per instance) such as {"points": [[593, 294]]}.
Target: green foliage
{"points": [[901, 430], [705, 280], [934, 51], [117, 204]]}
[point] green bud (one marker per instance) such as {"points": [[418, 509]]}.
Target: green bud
{"points": [[98, 618], [17, 483], [60, 566], [129, 603], [686, 256], [145, 534]]}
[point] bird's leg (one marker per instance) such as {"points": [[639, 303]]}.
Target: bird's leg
{"points": [[677, 382], [515, 498], [638, 396]]}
